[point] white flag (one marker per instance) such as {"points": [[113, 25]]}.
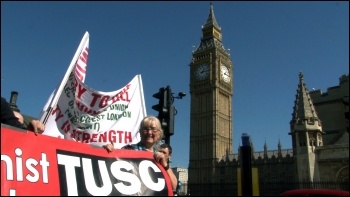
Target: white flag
{"points": [[79, 61], [89, 116]]}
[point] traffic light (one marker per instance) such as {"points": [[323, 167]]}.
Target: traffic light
{"points": [[168, 118], [161, 106], [166, 111]]}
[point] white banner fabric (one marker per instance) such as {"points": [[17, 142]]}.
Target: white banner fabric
{"points": [[89, 116]]}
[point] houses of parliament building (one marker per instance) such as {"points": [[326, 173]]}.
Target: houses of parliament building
{"points": [[318, 128]]}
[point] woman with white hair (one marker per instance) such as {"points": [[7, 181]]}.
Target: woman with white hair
{"points": [[151, 133]]}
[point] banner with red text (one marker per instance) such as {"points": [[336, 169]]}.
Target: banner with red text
{"points": [[90, 116], [46, 166]]}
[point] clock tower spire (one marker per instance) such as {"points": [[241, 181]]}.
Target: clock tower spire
{"points": [[211, 27]]}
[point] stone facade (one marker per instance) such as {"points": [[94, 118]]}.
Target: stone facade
{"points": [[211, 104]]}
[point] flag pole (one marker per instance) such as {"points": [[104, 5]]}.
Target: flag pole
{"points": [[58, 93]]}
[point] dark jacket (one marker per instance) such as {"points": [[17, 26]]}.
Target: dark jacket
{"points": [[7, 115]]}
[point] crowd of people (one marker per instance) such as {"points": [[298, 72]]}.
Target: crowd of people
{"points": [[150, 131]]}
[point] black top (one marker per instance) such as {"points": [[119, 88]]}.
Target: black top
{"points": [[7, 115]]}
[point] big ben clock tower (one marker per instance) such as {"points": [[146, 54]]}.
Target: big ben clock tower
{"points": [[211, 104]]}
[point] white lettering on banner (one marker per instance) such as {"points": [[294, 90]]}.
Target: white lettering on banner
{"points": [[129, 178], [69, 164], [135, 185], [143, 168], [30, 163]]}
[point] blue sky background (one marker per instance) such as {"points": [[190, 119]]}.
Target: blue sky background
{"points": [[270, 43]]}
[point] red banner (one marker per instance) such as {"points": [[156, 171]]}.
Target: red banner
{"points": [[43, 165]]}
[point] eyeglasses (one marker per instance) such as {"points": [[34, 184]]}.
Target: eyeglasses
{"points": [[153, 129]]}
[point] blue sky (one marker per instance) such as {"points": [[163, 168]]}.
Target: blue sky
{"points": [[269, 42]]}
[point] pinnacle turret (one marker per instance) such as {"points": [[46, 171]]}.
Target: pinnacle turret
{"points": [[304, 116], [211, 21]]}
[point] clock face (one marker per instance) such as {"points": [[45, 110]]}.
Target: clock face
{"points": [[202, 71], [225, 74]]}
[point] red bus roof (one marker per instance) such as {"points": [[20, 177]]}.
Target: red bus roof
{"points": [[315, 192]]}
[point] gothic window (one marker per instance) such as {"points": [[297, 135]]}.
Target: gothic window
{"points": [[302, 140], [311, 121]]}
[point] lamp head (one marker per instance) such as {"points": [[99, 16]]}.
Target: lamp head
{"points": [[181, 94]]}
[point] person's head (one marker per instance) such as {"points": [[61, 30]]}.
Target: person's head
{"points": [[166, 150], [19, 116], [150, 131]]}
